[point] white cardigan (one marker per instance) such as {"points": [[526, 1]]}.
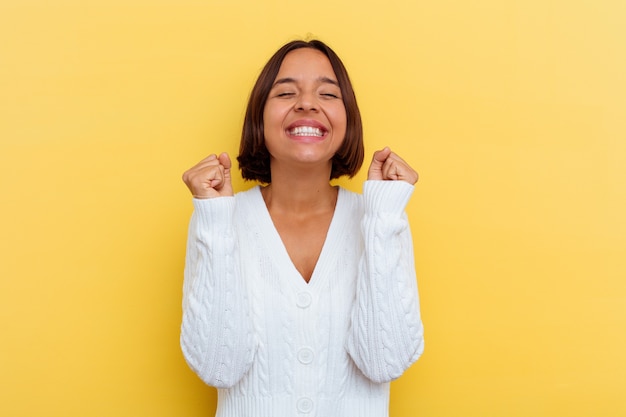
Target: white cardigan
{"points": [[276, 346]]}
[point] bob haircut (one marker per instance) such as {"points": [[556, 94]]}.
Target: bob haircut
{"points": [[254, 158]]}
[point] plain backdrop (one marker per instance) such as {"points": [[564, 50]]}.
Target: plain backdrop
{"points": [[513, 112]]}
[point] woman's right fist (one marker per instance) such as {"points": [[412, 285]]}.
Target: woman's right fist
{"points": [[210, 178]]}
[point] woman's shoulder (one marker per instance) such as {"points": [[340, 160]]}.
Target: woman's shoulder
{"points": [[249, 198], [350, 200], [248, 193], [349, 194]]}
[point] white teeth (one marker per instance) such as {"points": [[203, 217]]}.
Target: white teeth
{"points": [[306, 131]]}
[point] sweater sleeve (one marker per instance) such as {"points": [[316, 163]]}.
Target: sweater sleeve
{"points": [[216, 332], [386, 334]]}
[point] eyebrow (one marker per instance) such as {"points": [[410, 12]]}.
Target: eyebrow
{"points": [[288, 80]]}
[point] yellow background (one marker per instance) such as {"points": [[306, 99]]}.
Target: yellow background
{"points": [[513, 112]]}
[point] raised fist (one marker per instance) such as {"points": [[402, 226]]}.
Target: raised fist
{"points": [[386, 165], [210, 177]]}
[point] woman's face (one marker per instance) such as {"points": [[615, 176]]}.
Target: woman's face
{"points": [[304, 118]]}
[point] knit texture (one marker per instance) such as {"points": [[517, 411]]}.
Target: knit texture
{"points": [[277, 346]]}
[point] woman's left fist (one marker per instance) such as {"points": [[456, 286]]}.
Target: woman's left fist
{"points": [[388, 166]]}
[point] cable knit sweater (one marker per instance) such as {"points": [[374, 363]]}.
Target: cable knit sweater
{"points": [[276, 346]]}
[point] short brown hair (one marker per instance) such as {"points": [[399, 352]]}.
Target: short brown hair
{"points": [[254, 158]]}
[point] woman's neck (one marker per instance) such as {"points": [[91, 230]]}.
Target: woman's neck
{"points": [[299, 192]]}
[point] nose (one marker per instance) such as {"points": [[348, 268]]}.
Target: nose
{"points": [[306, 102]]}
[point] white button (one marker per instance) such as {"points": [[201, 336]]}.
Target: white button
{"points": [[305, 355], [303, 300], [304, 405]]}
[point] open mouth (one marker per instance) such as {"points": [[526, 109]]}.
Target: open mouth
{"points": [[306, 131]]}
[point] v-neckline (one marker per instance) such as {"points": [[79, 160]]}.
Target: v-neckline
{"points": [[278, 250]]}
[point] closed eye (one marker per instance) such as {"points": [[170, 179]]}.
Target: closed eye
{"points": [[330, 95]]}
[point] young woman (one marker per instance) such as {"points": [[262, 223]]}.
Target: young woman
{"points": [[300, 297]]}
